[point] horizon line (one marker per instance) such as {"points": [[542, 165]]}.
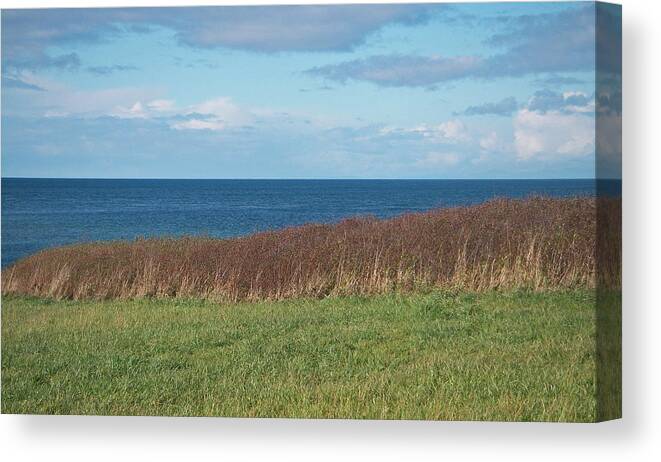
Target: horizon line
{"points": [[302, 179]]}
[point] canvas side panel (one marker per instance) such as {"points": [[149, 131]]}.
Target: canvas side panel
{"points": [[608, 170]]}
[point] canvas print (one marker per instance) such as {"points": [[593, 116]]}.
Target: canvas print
{"points": [[384, 211]]}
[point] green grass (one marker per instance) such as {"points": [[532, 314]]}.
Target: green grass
{"points": [[491, 356]]}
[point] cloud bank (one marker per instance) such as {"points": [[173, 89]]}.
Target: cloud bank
{"points": [[26, 34], [534, 44]]}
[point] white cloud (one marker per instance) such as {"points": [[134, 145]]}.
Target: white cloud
{"points": [[490, 142], [143, 110], [451, 131], [161, 105], [553, 134], [219, 107], [137, 110], [219, 113], [58, 100], [197, 124], [213, 114]]}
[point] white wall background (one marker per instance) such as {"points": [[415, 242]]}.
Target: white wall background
{"points": [[636, 437]]}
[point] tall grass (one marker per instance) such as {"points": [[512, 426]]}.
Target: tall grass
{"points": [[537, 243]]}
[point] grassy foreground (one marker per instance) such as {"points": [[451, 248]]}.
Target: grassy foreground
{"points": [[489, 356]]}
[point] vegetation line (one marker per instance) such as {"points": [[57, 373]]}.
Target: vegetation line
{"points": [[536, 243]]}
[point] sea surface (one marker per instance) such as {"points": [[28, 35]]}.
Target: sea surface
{"points": [[42, 213]]}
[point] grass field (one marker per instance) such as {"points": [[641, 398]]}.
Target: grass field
{"points": [[441, 355]]}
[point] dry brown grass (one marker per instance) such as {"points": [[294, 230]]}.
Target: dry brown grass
{"points": [[537, 243]]}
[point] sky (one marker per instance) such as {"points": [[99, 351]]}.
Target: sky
{"points": [[497, 90]]}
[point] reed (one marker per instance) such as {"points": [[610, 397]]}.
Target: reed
{"points": [[537, 243]]}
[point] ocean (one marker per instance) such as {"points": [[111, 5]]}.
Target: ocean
{"points": [[42, 213]]}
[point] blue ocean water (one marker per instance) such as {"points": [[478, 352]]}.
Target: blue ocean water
{"points": [[41, 213]]}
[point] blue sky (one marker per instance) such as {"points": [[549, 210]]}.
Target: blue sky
{"points": [[370, 91]]}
